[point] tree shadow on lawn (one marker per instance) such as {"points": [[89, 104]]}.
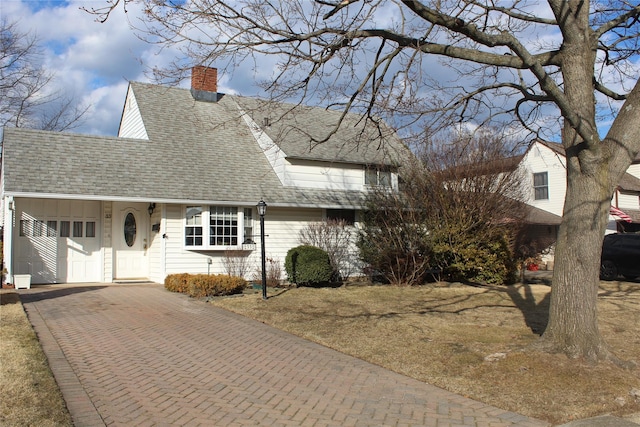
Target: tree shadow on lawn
{"points": [[536, 313]]}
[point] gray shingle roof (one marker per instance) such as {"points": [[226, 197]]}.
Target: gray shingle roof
{"points": [[197, 151], [298, 130]]}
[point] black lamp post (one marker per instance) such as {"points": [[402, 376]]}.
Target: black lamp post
{"points": [[262, 209]]}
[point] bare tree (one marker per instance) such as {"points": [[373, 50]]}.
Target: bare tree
{"points": [[518, 61], [335, 237], [456, 216], [25, 99]]}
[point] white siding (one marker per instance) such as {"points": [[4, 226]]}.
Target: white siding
{"points": [[282, 229], [324, 175], [131, 125], [309, 174], [540, 158], [634, 170], [628, 201]]}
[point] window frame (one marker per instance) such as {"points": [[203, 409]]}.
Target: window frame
{"points": [[543, 188], [238, 224], [383, 175]]}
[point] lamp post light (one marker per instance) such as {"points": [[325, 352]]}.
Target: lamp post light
{"points": [[262, 209]]}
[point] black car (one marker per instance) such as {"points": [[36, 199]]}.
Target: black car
{"points": [[620, 256]]}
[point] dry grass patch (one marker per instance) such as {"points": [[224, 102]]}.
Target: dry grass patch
{"points": [[441, 335], [29, 395]]}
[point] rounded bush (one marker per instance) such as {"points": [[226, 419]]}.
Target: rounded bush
{"points": [[308, 265]]}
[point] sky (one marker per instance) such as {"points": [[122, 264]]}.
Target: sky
{"points": [[93, 61]]}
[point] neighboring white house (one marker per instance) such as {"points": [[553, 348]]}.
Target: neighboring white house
{"points": [[544, 170], [177, 190]]}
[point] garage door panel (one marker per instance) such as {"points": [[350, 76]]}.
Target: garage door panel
{"points": [[51, 248]]}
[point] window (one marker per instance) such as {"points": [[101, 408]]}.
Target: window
{"points": [[25, 226], [248, 226], [77, 228], [65, 228], [377, 176], [193, 228], [347, 215], [223, 226], [38, 228], [90, 229], [541, 186], [227, 226], [52, 228]]}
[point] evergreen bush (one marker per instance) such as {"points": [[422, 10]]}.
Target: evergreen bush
{"points": [[308, 265]]}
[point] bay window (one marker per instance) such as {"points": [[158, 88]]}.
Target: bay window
{"points": [[223, 226], [226, 227]]}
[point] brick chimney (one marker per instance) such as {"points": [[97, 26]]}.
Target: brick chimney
{"points": [[204, 83]]}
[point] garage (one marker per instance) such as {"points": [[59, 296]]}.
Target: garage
{"points": [[57, 241]]}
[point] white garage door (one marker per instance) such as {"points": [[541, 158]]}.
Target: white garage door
{"points": [[58, 241]]}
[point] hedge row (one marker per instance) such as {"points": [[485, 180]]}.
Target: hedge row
{"points": [[204, 285]]}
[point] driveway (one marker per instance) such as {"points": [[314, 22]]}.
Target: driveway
{"points": [[138, 355]]}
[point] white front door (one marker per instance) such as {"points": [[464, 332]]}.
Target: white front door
{"points": [[130, 240]]}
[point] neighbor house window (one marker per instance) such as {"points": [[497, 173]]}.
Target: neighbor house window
{"points": [[193, 228], [377, 176], [541, 186]]}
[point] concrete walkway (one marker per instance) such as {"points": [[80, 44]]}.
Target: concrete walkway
{"points": [[137, 355]]}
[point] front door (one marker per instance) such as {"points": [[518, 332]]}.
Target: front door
{"points": [[130, 241]]}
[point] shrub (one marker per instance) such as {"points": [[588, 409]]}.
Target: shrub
{"points": [[274, 272], [205, 285], [467, 259], [308, 265], [177, 283], [335, 236], [236, 263]]}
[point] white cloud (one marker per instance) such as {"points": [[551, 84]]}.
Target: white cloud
{"points": [[91, 61]]}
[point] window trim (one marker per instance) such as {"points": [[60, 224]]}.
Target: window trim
{"points": [[205, 224]]}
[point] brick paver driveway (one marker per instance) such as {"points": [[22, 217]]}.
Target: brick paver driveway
{"points": [[137, 355]]}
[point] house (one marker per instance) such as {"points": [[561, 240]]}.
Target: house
{"points": [[176, 191], [543, 167]]}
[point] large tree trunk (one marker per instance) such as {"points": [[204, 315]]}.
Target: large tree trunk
{"points": [[594, 168], [573, 320]]}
